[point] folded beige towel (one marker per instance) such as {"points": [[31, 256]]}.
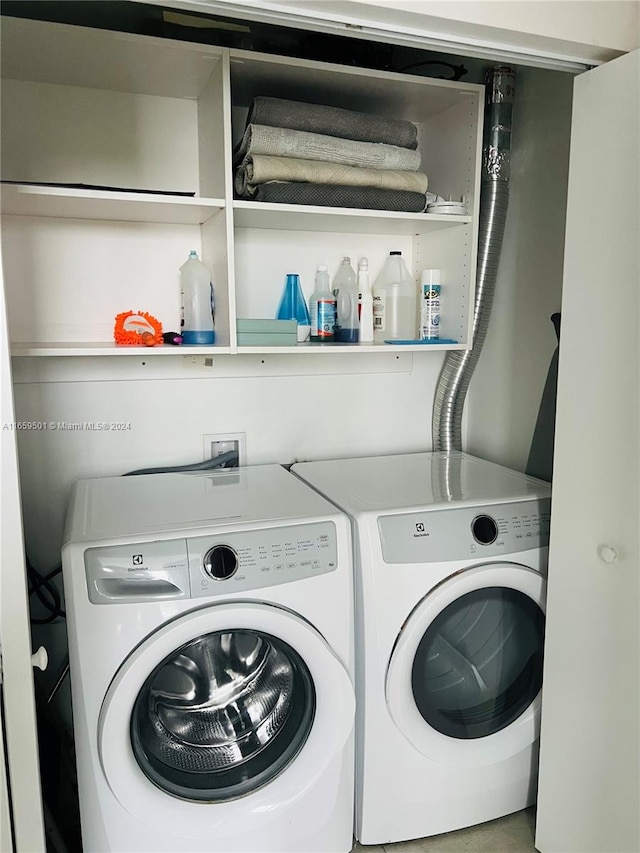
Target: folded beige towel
{"points": [[281, 142], [262, 168]]}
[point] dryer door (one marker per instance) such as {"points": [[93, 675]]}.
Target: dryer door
{"points": [[238, 705], [463, 683]]}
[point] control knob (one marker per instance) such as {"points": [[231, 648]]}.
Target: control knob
{"points": [[484, 529], [220, 562]]}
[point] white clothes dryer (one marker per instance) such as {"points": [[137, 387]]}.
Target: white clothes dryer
{"points": [[210, 620], [450, 563]]}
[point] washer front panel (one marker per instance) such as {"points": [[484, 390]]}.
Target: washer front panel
{"points": [[442, 535], [222, 715], [175, 813]]}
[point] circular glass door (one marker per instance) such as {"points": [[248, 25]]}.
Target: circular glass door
{"points": [[222, 715], [478, 666], [463, 680]]}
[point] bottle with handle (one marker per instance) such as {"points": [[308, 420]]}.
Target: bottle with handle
{"points": [[197, 322], [395, 301], [346, 293], [322, 308], [365, 302]]}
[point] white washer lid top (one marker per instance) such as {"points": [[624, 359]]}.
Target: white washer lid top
{"points": [[388, 483], [113, 507]]}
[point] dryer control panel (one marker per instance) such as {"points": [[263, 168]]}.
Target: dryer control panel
{"points": [[460, 533], [209, 565]]}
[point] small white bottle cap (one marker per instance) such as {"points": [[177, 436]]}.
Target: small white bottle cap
{"points": [[430, 277]]}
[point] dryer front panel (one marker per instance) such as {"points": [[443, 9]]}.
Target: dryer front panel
{"points": [[464, 678], [478, 666]]}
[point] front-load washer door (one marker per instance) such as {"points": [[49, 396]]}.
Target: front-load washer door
{"points": [[240, 706], [463, 682]]}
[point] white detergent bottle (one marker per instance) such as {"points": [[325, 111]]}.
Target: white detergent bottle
{"points": [[197, 323], [345, 291], [365, 302], [395, 301]]}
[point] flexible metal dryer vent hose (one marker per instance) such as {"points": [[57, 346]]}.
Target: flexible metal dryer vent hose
{"points": [[458, 367]]}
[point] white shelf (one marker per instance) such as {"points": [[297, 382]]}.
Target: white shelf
{"points": [[49, 348], [306, 349], [111, 349], [300, 217], [75, 203]]}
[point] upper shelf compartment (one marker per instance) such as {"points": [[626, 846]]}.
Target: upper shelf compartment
{"points": [[82, 106], [44, 52], [447, 115]]}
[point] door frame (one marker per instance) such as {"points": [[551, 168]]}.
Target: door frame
{"points": [[19, 711]]}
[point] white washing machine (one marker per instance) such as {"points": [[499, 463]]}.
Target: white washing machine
{"points": [[210, 621], [450, 563]]}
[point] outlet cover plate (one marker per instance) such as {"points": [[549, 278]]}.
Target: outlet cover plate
{"points": [[213, 444]]}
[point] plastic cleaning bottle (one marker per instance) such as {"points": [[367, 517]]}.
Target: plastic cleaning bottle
{"points": [[293, 306], [395, 301], [346, 293], [429, 305], [365, 302], [197, 323], [322, 308]]}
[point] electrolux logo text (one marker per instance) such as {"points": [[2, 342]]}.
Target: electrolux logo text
{"points": [[420, 530]]}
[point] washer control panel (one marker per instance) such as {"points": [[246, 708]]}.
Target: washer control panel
{"points": [[209, 565], [460, 533], [246, 560]]}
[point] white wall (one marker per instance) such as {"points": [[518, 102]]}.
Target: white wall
{"points": [[506, 389]]}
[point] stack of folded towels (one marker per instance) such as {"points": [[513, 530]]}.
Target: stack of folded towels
{"points": [[298, 153]]}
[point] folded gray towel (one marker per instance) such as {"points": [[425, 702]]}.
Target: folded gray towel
{"points": [[329, 195], [333, 121], [281, 142], [261, 168]]}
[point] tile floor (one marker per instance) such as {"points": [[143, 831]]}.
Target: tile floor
{"points": [[511, 834]]}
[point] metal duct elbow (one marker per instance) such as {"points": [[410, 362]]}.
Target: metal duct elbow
{"points": [[458, 367]]}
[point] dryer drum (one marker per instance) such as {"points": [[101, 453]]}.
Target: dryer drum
{"points": [[478, 666], [222, 715]]}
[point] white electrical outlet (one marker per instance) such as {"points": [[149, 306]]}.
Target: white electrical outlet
{"points": [[216, 444]]}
